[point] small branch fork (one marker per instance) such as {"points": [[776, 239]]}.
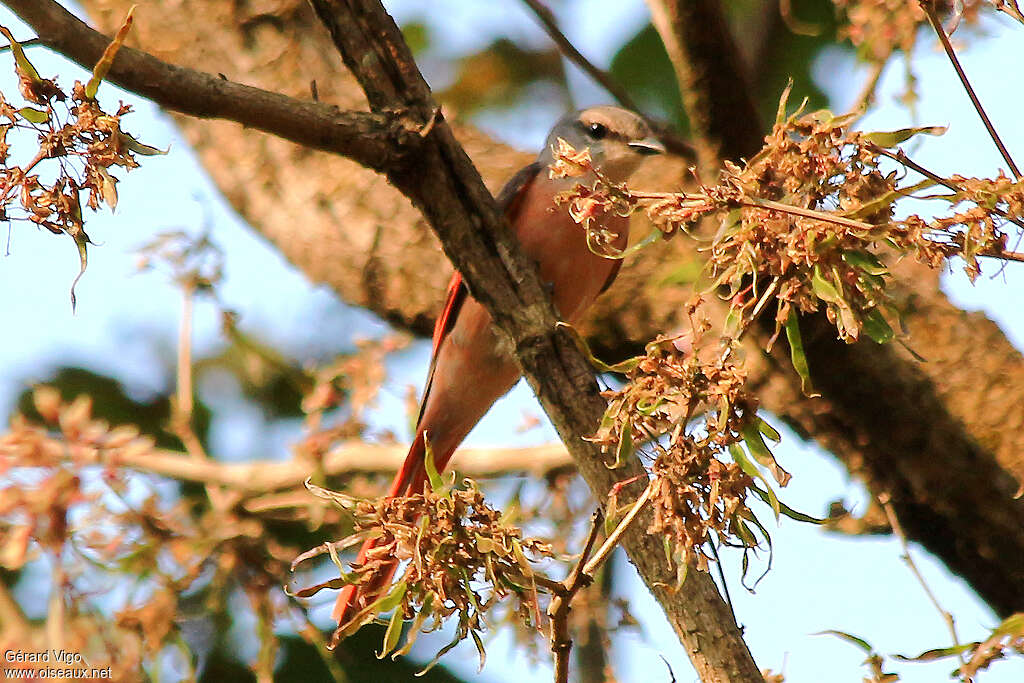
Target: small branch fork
{"points": [[581, 576]]}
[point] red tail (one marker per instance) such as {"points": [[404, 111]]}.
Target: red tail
{"points": [[409, 480]]}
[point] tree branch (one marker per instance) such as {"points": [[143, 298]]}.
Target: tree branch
{"points": [[373, 140], [709, 70], [445, 186], [673, 143], [263, 477]]}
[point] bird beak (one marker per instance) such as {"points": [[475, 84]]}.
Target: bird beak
{"points": [[648, 146]]}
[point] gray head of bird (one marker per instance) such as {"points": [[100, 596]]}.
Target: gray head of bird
{"points": [[618, 139]]}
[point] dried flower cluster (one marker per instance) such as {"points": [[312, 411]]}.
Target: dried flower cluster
{"points": [[459, 558], [877, 28], [77, 143], [66, 497], [703, 472], [808, 222]]}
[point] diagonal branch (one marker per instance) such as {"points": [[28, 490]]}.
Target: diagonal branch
{"points": [[710, 75], [673, 143], [933, 18], [442, 182], [369, 139]]}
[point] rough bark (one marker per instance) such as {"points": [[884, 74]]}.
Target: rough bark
{"points": [[360, 237], [443, 184]]}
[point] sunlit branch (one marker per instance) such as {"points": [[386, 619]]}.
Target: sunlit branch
{"points": [[349, 458]]}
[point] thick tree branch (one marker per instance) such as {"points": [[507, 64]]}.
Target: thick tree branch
{"points": [[446, 187], [369, 139]]}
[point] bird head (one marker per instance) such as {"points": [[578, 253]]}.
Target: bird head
{"points": [[618, 139]]}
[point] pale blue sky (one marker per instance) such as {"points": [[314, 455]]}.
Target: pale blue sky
{"points": [[125, 326]]}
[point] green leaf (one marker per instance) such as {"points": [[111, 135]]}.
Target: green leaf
{"points": [[24, 66], [771, 550], [480, 649], [876, 326], [937, 653], [653, 236], [392, 599], [785, 509], [99, 72], [81, 240], [620, 368], [768, 430], [425, 611], [436, 482], [796, 353], [780, 116], [1011, 625], [741, 459], [895, 137], [859, 642], [865, 261], [624, 451], [824, 289], [441, 653], [762, 454], [138, 147], [524, 564], [33, 115], [392, 634]]}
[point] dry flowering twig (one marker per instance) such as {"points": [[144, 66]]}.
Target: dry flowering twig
{"points": [[460, 559], [77, 143], [809, 222], [65, 497]]}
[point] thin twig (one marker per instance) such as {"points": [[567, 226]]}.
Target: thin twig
{"points": [[258, 478], [900, 156], [558, 608], [933, 18], [548, 21], [28, 42], [807, 213], [673, 143], [580, 577], [184, 399], [897, 529], [184, 404], [613, 538]]}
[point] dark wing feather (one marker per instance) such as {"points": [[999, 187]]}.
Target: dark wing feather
{"points": [[509, 200]]}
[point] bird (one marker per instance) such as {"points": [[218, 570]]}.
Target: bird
{"points": [[471, 365]]}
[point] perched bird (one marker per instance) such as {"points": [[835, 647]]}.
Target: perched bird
{"points": [[471, 366]]}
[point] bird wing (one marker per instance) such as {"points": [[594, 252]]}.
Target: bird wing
{"points": [[510, 201]]}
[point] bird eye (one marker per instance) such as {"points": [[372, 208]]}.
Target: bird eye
{"points": [[597, 131]]}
